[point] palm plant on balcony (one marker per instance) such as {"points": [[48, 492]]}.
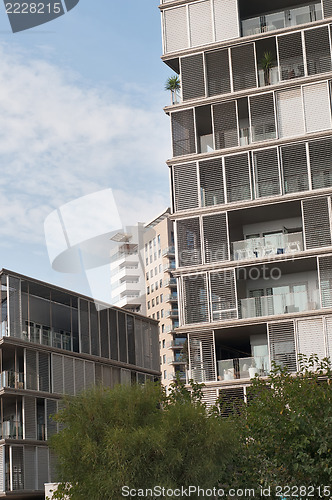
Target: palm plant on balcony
{"points": [[267, 62], [173, 84]]}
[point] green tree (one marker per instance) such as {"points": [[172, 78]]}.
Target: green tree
{"points": [[136, 436], [286, 429]]}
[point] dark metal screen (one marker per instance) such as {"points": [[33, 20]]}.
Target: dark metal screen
{"points": [[295, 168], [192, 77], [211, 182], [183, 132], [217, 69], [189, 242]]}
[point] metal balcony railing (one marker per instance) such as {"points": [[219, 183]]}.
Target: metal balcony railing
{"points": [[278, 304], [11, 379], [267, 246], [243, 368]]}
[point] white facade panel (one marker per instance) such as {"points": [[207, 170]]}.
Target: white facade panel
{"points": [[226, 19], [176, 29], [317, 107], [200, 22], [311, 337], [290, 113]]}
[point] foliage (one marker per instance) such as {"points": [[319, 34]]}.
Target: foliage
{"points": [[172, 83], [286, 429], [267, 62], [139, 437]]}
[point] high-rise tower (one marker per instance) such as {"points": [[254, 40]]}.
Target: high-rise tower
{"points": [[251, 178]]}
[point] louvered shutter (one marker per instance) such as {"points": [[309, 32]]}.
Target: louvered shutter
{"points": [[31, 370], [266, 172], [51, 410], [185, 186], [231, 401], [30, 417], [290, 56], [44, 372], [316, 223], [211, 182], [138, 343], [84, 326], [189, 242], [237, 178], [216, 247], [14, 307], [17, 468], [282, 344], [183, 132], [217, 70], [68, 375], [89, 374], [327, 7], [311, 337], [325, 277], [295, 168], [30, 467], [262, 114], [192, 77], [290, 113], [176, 29], [243, 67], [195, 299], [226, 19], [202, 357], [209, 397], [79, 375], [57, 373], [320, 154], [107, 376], [223, 295], [94, 329], [329, 336], [317, 45], [317, 107], [200, 22], [104, 334], [42, 466], [225, 125]]}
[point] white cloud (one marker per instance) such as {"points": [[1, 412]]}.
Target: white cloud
{"points": [[60, 140]]}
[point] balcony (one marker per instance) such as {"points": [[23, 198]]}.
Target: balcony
{"points": [[170, 282], [172, 297], [12, 379], [282, 19], [268, 246], [12, 430], [173, 376], [280, 303], [170, 266], [173, 313], [169, 252], [177, 342], [243, 368]]}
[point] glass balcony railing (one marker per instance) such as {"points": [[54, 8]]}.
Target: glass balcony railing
{"points": [[174, 313], [281, 303], [267, 246], [171, 297], [4, 329], [12, 430], [12, 379], [168, 251], [282, 19], [243, 368]]}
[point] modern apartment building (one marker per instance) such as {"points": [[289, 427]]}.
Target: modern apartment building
{"points": [[251, 179], [127, 269], [55, 342], [161, 294]]}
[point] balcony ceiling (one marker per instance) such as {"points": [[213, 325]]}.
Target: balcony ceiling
{"points": [[266, 213], [258, 7], [239, 334]]}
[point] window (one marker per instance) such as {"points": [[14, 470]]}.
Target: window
{"points": [[150, 245], [152, 302], [157, 300], [160, 268], [158, 315], [165, 374], [163, 331], [152, 288], [147, 261], [146, 247], [161, 298], [162, 313], [155, 271], [164, 359], [161, 283], [159, 253], [147, 276], [148, 290], [156, 284], [153, 316], [149, 305], [151, 273], [158, 238], [150, 259], [164, 343], [155, 256]]}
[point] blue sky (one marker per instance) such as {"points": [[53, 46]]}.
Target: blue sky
{"points": [[80, 110]]}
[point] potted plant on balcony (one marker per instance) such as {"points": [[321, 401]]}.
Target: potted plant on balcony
{"points": [[173, 84], [267, 62]]}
